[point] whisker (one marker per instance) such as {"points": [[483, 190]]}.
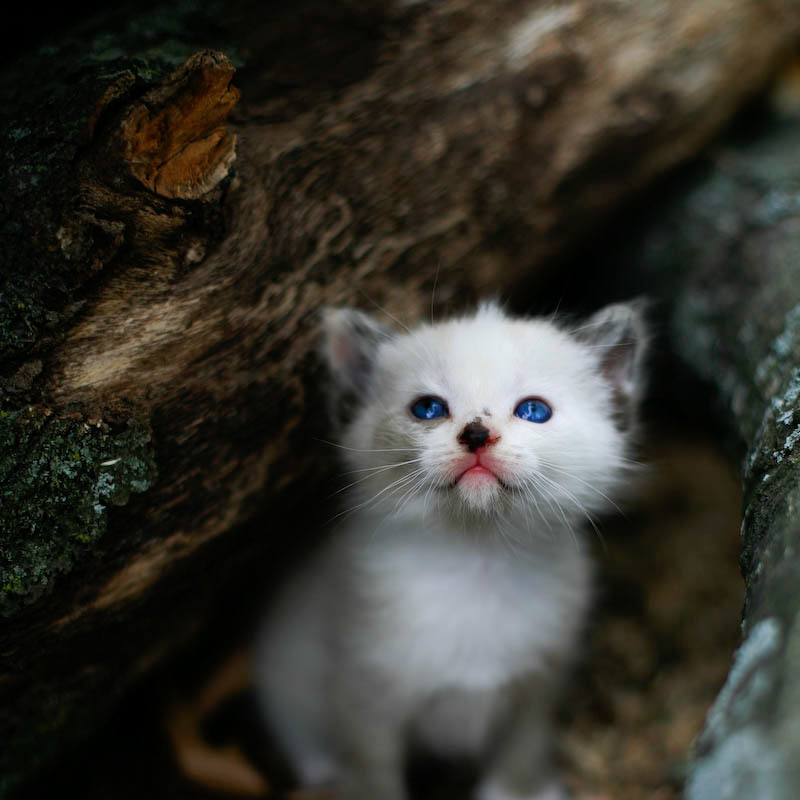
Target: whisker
{"points": [[383, 310], [407, 495], [401, 481], [585, 483], [546, 493], [409, 477], [373, 472], [382, 467], [435, 281], [578, 505], [360, 450], [531, 495], [587, 326]]}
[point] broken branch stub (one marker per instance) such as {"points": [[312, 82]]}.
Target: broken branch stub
{"points": [[174, 140]]}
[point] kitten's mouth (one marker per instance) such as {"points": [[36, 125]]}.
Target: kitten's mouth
{"points": [[478, 475], [478, 472]]}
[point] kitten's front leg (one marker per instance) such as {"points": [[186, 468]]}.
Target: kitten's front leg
{"points": [[371, 751], [519, 767], [554, 790], [372, 767]]}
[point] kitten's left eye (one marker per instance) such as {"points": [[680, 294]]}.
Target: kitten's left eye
{"points": [[429, 407], [533, 410]]}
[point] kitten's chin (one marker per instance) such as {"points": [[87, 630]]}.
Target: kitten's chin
{"points": [[479, 493]]}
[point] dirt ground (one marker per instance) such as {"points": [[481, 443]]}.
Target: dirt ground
{"points": [[659, 646], [664, 632]]}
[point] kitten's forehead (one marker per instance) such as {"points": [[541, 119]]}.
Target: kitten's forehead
{"points": [[485, 353]]}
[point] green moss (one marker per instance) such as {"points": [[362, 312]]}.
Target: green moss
{"points": [[57, 479]]}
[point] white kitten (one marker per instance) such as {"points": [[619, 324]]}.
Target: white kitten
{"points": [[448, 608]]}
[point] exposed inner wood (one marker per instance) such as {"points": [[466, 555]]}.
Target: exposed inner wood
{"points": [[174, 139]]}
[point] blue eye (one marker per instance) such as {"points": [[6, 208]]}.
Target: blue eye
{"points": [[429, 407], [533, 410]]}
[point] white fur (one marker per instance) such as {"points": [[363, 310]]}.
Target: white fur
{"points": [[443, 610], [552, 791]]}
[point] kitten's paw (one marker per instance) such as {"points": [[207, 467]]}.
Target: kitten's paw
{"points": [[492, 790], [553, 791], [315, 771]]}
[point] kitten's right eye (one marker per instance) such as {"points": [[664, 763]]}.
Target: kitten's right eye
{"points": [[429, 407]]}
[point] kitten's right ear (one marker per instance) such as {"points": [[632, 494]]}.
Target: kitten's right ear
{"points": [[351, 341]]}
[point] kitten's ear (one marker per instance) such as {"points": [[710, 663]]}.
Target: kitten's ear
{"points": [[618, 334], [351, 340]]}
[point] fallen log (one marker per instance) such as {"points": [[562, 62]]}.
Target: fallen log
{"points": [[723, 255], [161, 268]]}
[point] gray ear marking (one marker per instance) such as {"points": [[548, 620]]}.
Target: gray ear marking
{"points": [[618, 334], [350, 343]]}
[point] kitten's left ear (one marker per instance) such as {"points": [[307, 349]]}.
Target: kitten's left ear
{"points": [[618, 333]]}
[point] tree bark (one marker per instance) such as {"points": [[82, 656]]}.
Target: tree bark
{"points": [[162, 268], [724, 258]]}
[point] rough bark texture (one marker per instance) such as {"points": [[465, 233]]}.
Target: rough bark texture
{"points": [[726, 256], [161, 270]]}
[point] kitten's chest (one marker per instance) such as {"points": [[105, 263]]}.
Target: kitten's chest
{"points": [[473, 616]]}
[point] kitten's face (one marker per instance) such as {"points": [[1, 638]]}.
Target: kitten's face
{"points": [[483, 414]]}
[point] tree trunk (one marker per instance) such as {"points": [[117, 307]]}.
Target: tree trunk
{"points": [[162, 267], [724, 255]]}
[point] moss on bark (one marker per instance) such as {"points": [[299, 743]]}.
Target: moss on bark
{"points": [[57, 479]]}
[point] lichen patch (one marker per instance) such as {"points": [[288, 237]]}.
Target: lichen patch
{"points": [[58, 476]]}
